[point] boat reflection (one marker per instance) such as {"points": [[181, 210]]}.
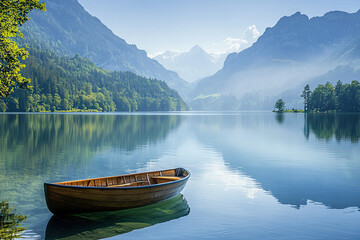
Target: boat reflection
{"points": [[109, 224]]}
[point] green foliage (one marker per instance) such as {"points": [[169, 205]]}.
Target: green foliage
{"points": [[280, 105], [76, 84], [348, 96], [13, 13], [342, 98], [306, 95], [323, 98], [3, 106], [10, 221]]}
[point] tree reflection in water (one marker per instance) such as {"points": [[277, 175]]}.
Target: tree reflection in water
{"points": [[280, 117], [340, 126]]}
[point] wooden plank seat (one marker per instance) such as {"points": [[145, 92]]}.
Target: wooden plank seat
{"points": [[132, 184], [170, 178], [163, 179]]}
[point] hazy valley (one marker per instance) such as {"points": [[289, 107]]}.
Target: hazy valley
{"points": [[293, 53]]}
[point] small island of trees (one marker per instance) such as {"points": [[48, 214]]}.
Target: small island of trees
{"points": [[327, 98]]}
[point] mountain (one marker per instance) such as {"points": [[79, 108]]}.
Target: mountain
{"points": [[67, 29], [77, 84], [192, 65], [295, 51]]}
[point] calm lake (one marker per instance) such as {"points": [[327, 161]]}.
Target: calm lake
{"points": [[255, 175]]}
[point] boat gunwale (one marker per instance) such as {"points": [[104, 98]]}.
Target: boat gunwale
{"points": [[117, 188]]}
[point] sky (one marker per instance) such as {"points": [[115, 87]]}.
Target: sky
{"points": [[218, 26]]}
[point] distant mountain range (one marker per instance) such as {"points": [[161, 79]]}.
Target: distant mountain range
{"points": [[67, 29], [192, 65], [296, 51]]}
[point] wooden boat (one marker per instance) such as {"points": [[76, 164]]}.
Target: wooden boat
{"points": [[114, 193]]}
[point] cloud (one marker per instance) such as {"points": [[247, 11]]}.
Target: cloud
{"points": [[164, 54], [234, 44], [154, 54], [250, 35]]}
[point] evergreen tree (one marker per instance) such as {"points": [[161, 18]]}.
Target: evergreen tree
{"points": [[306, 95], [339, 91]]}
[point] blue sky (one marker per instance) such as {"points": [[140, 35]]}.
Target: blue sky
{"points": [[215, 25]]}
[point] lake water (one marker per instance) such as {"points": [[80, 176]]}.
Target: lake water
{"points": [[255, 175]]}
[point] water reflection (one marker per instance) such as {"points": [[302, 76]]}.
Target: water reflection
{"points": [[77, 137], [340, 126], [247, 169], [280, 117], [43, 143], [294, 171], [10, 221], [38, 148], [108, 224]]}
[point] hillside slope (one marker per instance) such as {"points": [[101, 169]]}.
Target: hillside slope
{"points": [[76, 84], [67, 29], [290, 54]]}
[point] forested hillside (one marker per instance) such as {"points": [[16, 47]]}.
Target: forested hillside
{"points": [[76, 84], [66, 28]]}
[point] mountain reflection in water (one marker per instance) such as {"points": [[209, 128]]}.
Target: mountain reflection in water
{"points": [[275, 155]]}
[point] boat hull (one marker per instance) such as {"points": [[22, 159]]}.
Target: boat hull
{"points": [[63, 199]]}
